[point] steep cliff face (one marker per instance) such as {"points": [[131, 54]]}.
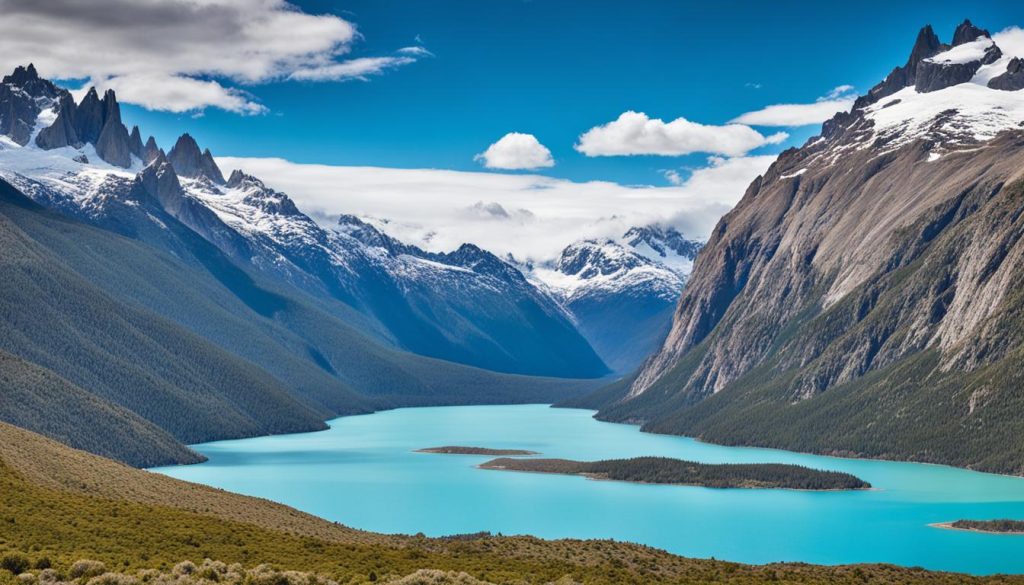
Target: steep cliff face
{"points": [[864, 295]]}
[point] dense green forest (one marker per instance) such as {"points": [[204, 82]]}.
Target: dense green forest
{"points": [[37, 399], [665, 470]]}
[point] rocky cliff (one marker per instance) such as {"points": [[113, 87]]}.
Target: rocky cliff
{"points": [[863, 298]]}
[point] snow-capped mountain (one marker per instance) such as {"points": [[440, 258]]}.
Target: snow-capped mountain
{"points": [[466, 306], [622, 292], [864, 295]]}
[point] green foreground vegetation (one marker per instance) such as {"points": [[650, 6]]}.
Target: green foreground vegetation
{"points": [[665, 470], [69, 516]]}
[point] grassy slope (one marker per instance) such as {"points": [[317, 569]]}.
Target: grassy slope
{"points": [[66, 505]]}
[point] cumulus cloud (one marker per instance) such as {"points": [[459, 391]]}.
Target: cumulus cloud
{"points": [[530, 216], [1010, 41], [634, 133], [178, 55], [839, 99], [516, 151]]}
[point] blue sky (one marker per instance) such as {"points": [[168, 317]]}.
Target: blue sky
{"points": [[555, 68]]}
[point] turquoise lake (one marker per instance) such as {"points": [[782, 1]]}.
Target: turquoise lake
{"points": [[364, 473]]}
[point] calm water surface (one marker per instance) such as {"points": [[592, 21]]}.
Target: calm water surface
{"points": [[363, 473]]}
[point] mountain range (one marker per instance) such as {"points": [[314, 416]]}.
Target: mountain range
{"points": [[124, 261], [863, 297], [621, 291]]}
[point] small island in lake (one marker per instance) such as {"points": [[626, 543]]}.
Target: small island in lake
{"points": [[999, 526], [456, 450], [663, 470]]}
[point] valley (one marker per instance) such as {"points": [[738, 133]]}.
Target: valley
{"points": [[782, 331]]}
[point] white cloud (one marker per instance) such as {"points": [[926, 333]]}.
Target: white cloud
{"points": [[673, 176], [156, 91], [360, 69], [634, 133], [180, 54], [837, 100], [1010, 41], [416, 51], [529, 216], [516, 151]]}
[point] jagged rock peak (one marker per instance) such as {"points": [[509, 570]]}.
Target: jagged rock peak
{"points": [[151, 151], [23, 96], [135, 142], [240, 178], [189, 161], [926, 45], [113, 143], [63, 131], [967, 32], [22, 75]]}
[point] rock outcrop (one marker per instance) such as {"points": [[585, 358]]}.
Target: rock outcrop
{"points": [[189, 161], [22, 95], [1012, 79], [113, 143], [64, 130]]}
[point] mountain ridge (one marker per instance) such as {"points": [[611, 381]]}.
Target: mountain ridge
{"points": [[836, 306]]}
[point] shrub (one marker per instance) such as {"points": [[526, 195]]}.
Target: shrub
{"points": [[49, 576], [87, 569], [184, 568], [113, 579], [26, 579], [43, 563], [15, 563]]}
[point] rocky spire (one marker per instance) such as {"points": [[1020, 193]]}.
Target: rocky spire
{"points": [[151, 151], [967, 32], [62, 132], [89, 117], [112, 144], [926, 45], [135, 142], [159, 182], [189, 161]]}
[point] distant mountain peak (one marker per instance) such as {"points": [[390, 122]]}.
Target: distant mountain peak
{"points": [[967, 32], [22, 75], [191, 162]]}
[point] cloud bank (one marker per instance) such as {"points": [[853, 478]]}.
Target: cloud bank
{"points": [[634, 133], [839, 99], [529, 216], [181, 55], [516, 151]]}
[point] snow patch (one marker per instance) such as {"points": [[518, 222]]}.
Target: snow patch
{"points": [[965, 53]]}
